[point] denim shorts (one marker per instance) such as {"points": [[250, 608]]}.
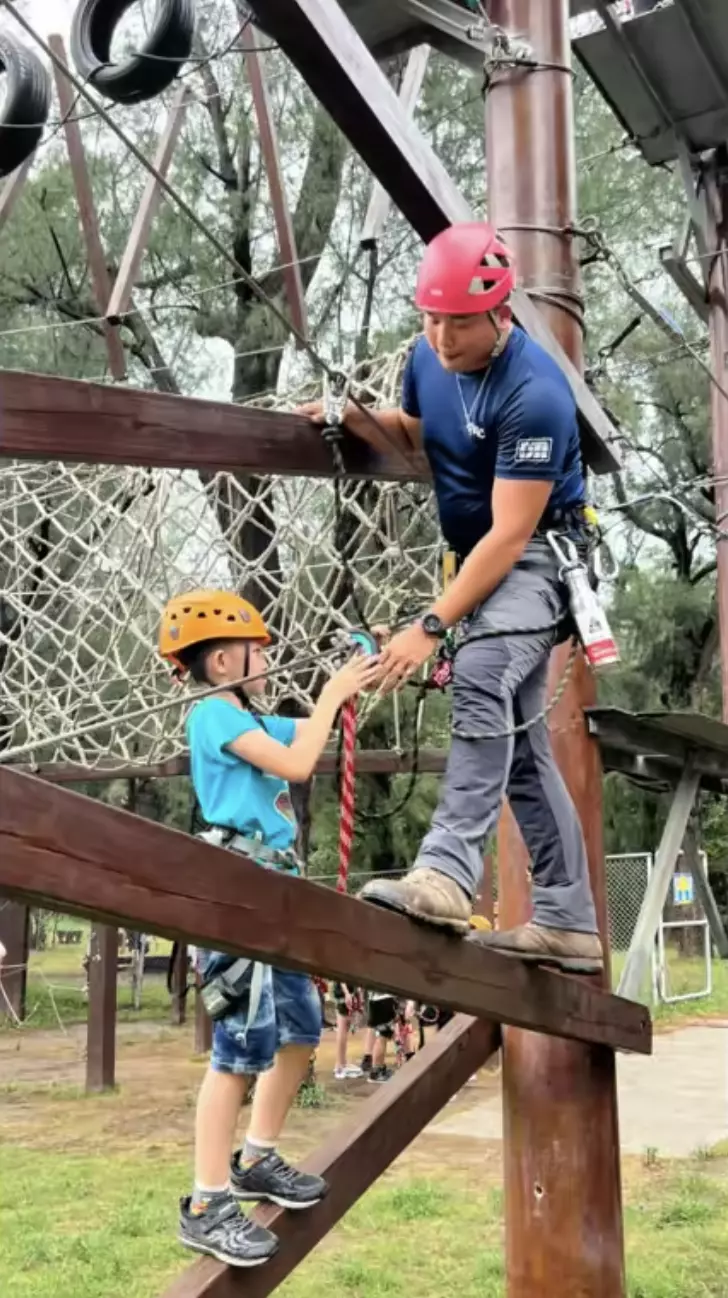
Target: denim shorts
{"points": [[289, 1014]]}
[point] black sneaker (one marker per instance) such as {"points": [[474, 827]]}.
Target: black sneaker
{"points": [[378, 1075], [275, 1181], [223, 1232]]}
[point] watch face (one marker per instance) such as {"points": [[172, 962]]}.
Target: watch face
{"points": [[431, 624]]}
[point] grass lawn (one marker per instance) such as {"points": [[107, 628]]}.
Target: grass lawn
{"points": [[81, 1227]]}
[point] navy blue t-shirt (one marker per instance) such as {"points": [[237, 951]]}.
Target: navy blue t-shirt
{"points": [[523, 422]]}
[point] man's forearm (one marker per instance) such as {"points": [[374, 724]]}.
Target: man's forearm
{"points": [[483, 570]]}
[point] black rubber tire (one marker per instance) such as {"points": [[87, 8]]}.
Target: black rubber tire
{"points": [[150, 71], [27, 103]]}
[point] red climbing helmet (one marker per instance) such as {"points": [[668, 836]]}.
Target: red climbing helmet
{"points": [[466, 269]]}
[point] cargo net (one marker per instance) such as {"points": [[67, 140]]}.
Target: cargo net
{"points": [[90, 554]]}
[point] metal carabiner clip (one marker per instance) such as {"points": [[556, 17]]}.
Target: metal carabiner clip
{"points": [[565, 551], [335, 397]]}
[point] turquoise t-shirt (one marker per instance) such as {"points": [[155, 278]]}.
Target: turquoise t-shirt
{"points": [[232, 793]]}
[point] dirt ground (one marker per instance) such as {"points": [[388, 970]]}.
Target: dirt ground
{"points": [[42, 1103]]}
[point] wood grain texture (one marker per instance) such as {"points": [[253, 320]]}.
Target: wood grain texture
{"points": [[77, 854], [47, 418]]}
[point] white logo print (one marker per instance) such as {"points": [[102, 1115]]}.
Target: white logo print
{"points": [[536, 450]]}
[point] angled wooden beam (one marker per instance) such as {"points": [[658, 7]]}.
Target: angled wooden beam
{"points": [[648, 921], [119, 299], [291, 271], [380, 201], [87, 208], [47, 418], [328, 52], [12, 189], [359, 1152], [84, 857]]}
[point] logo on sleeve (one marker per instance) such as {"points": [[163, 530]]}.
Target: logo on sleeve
{"points": [[534, 450]]}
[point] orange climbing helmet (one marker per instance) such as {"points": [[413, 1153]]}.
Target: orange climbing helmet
{"points": [[201, 615], [466, 270]]}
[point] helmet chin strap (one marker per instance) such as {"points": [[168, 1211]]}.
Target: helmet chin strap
{"points": [[503, 332], [238, 690]]}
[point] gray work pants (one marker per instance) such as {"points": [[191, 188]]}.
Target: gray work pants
{"points": [[500, 683]]}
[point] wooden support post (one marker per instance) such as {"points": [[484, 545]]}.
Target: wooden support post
{"points": [[564, 1230], [178, 1008], [380, 201], [668, 853], [291, 271], [87, 208], [101, 1030], [14, 935], [354, 1157], [203, 1023], [119, 299], [716, 178], [96, 860]]}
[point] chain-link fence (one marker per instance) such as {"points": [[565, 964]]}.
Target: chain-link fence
{"points": [[627, 875]]}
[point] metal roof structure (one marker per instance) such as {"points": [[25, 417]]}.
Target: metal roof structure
{"points": [[664, 74], [653, 748]]}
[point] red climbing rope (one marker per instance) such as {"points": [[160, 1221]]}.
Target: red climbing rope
{"points": [[348, 782]]}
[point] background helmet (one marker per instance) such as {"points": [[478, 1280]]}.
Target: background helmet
{"points": [[466, 269], [201, 615]]}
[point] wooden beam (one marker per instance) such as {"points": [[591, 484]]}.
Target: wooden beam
{"points": [[12, 189], [47, 418], [320, 40], [86, 207], [14, 935], [409, 91], [101, 1030], [87, 858], [358, 1153], [119, 299], [250, 40], [372, 761]]}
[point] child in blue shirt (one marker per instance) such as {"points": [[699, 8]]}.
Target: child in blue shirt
{"points": [[241, 765]]}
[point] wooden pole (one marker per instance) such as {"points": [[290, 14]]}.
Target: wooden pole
{"points": [[178, 1009], [561, 1144], [14, 935], [717, 187], [87, 208], [101, 1031]]}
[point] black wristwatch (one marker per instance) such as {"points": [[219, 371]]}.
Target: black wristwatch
{"points": [[433, 625]]}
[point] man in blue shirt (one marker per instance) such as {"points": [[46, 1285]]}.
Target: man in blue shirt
{"points": [[498, 423]]}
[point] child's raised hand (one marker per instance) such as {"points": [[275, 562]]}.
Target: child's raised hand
{"points": [[360, 673]]}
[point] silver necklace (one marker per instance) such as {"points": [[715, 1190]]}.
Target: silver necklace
{"points": [[471, 428]]}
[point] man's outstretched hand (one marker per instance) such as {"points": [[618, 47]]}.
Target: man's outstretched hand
{"points": [[402, 656]]}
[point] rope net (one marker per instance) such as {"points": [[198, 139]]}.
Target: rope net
{"points": [[89, 555]]}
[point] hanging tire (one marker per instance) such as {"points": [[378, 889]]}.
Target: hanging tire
{"points": [[150, 71], [27, 103]]}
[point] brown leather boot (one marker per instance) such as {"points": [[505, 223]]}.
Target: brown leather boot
{"points": [[564, 949], [425, 895]]}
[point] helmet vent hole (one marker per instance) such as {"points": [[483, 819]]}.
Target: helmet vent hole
{"points": [[202, 615], [217, 612], [187, 610], [231, 617]]}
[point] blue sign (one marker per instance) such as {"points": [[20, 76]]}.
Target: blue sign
{"points": [[683, 890]]}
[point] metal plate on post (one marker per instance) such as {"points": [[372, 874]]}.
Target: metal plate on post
{"points": [[683, 52]]}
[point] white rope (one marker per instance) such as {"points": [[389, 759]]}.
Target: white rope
{"points": [[90, 554]]}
